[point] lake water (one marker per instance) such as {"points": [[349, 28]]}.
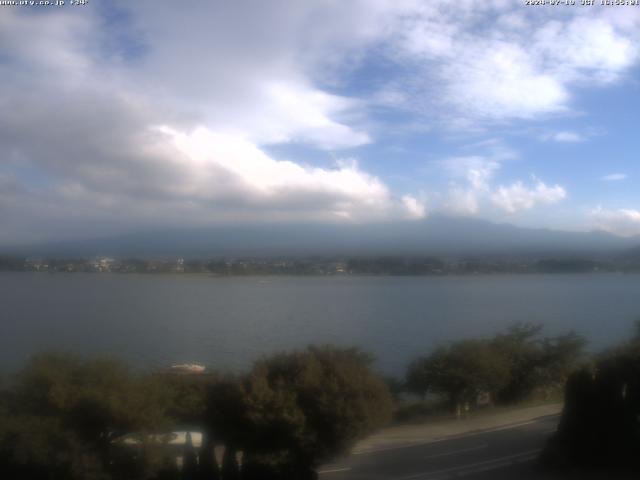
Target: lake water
{"points": [[228, 322]]}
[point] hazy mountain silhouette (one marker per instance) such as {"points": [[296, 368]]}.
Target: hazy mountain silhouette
{"points": [[433, 236]]}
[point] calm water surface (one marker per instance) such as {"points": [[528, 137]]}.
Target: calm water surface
{"points": [[228, 322]]}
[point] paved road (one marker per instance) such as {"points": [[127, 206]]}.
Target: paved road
{"points": [[506, 453]]}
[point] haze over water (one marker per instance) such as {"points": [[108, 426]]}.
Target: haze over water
{"points": [[159, 320]]}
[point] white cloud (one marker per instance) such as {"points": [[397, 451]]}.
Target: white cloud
{"points": [[598, 49], [491, 83], [254, 71], [614, 177], [301, 113], [414, 207], [475, 173], [623, 221], [478, 191], [81, 119], [477, 170], [567, 137], [462, 201], [501, 62], [518, 196], [251, 177], [60, 28], [227, 81], [251, 85]]}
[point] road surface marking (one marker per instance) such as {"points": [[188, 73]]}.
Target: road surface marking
{"points": [[454, 452], [334, 470], [477, 466]]}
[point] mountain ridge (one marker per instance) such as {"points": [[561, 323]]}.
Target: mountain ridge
{"points": [[432, 236]]}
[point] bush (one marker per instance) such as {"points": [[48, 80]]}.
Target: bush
{"points": [[299, 409], [600, 424], [63, 415], [510, 367]]}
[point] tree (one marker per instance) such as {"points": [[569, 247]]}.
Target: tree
{"points": [[230, 467], [561, 355], [536, 362], [189, 397], [521, 348], [302, 408], [207, 465], [189, 460], [225, 414], [600, 423], [461, 371], [511, 366], [66, 415], [420, 376]]}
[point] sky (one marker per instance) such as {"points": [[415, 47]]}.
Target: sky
{"points": [[125, 116]]}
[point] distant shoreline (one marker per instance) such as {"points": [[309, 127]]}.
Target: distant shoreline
{"points": [[327, 266], [319, 275]]}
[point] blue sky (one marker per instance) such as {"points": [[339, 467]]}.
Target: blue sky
{"points": [[125, 116]]}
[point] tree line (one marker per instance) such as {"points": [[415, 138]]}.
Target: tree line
{"points": [[62, 416], [505, 369]]}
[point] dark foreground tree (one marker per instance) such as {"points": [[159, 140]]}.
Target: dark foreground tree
{"points": [[230, 465], [189, 460], [64, 415], [600, 423], [207, 465], [188, 394], [299, 409]]}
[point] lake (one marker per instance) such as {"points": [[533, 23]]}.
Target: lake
{"points": [[159, 320]]}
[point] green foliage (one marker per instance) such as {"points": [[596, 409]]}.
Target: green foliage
{"points": [[510, 367], [99, 399], [396, 387], [419, 377], [39, 447], [305, 407], [225, 412], [188, 396], [466, 368], [520, 347], [561, 355], [64, 415], [600, 424]]}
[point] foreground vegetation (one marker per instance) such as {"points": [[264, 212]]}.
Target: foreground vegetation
{"points": [[511, 367], [600, 424], [66, 418], [63, 417]]}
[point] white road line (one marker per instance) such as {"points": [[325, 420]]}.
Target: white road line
{"points": [[334, 470], [454, 452], [476, 467]]}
